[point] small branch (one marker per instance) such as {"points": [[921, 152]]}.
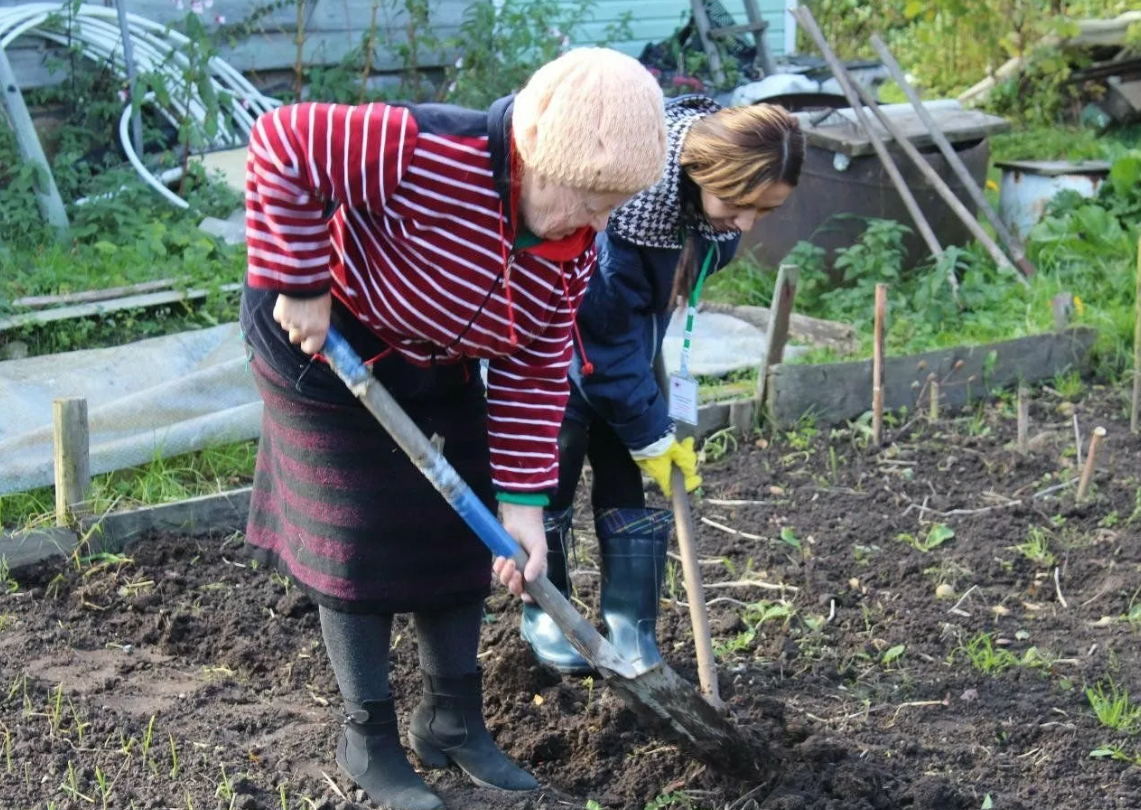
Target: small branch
{"points": [[730, 530], [1050, 490], [1058, 587], [955, 609], [710, 561], [1091, 461], [1078, 439], [946, 701], [722, 502], [752, 583]]}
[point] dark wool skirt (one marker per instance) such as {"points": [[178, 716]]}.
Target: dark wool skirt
{"points": [[339, 507]]}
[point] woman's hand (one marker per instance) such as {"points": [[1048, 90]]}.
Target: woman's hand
{"points": [[525, 524], [305, 319]]}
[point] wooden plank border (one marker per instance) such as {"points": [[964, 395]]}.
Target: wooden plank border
{"points": [[836, 392]]}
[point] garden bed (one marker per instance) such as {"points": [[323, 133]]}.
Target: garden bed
{"points": [[901, 666]]}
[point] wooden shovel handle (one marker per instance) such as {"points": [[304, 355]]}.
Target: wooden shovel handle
{"points": [[695, 591]]}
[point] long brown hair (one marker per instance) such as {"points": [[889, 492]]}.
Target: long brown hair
{"points": [[735, 154]]}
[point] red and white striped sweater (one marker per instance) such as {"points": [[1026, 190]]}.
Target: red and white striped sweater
{"points": [[416, 247]]}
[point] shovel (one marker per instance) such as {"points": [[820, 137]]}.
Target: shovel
{"points": [[659, 696]]}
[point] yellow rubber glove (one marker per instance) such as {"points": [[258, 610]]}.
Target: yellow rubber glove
{"points": [[660, 467]]}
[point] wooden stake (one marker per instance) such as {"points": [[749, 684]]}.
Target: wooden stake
{"points": [[72, 456], [1091, 456], [1063, 306], [1135, 418], [777, 334], [1023, 420], [877, 365], [933, 397]]}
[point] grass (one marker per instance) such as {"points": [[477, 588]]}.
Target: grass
{"points": [[163, 480], [1113, 707]]}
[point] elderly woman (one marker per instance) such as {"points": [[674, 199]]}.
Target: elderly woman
{"points": [[431, 237], [726, 169]]}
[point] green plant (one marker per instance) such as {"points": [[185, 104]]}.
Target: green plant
{"points": [[985, 656], [936, 535], [1036, 547], [717, 445], [1113, 707]]}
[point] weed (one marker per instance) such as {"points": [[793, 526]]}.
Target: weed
{"points": [[173, 758], [1113, 708], [1036, 547], [1115, 752], [985, 656], [893, 654], [718, 445], [8, 584], [1069, 386], [936, 535]]}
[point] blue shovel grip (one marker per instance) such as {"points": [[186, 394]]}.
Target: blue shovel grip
{"points": [[431, 462]]}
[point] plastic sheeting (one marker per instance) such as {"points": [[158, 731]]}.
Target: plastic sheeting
{"points": [[169, 395], [156, 397]]}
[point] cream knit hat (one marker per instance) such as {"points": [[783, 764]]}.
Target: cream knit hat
{"points": [[592, 119]]}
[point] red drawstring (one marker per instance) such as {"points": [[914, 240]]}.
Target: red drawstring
{"points": [[512, 338], [587, 366]]}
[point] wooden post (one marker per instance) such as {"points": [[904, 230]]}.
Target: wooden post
{"points": [[777, 335], [1091, 456], [933, 397], [1135, 417], [1063, 306], [47, 195], [1023, 420], [72, 456], [877, 365]]}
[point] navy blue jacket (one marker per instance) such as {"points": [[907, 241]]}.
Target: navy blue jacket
{"points": [[623, 319]]}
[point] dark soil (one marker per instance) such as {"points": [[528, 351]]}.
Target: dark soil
{"points": [[181, 677]]}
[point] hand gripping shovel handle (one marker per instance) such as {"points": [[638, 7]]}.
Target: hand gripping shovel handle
{"points": [[431, 462]]}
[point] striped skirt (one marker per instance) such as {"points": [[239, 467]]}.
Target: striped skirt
{"points": [[341, 509]]}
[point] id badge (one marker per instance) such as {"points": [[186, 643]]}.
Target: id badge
{"points": [[683, 399]]}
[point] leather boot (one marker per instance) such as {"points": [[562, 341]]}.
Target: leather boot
{"points": [[448, 726], [538, 629], [633, 544], [369, 751]]}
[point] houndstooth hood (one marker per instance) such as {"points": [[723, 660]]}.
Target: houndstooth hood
{"points": [[658, 217]]}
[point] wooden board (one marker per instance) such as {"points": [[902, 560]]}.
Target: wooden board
{"points": [[801, 328], [100, 308], [208, 514], [840, 132], [835, 392], [20, 549]]}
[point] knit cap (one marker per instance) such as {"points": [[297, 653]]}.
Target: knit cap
{"points": [[592, 119]]}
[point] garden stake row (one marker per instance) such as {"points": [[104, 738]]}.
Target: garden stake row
{"points": [[658, 695]]}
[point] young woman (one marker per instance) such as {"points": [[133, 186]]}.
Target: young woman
{"points": [[726, 169], [431, 237]]}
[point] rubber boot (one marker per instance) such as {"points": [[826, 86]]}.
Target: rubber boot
{"points": [[448, 726], [369, 751], [538, 629], [633, 544]]}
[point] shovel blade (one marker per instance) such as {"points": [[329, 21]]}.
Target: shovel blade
{"points": [[671, 706]]}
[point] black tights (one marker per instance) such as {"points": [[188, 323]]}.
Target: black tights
{"points": [[358, 646], [617, 479]]}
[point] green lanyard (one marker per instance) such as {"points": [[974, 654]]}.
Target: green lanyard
{"points": [[691, 311]]}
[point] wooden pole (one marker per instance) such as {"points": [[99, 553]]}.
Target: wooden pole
{"points": [[694, 590], [71, 456], [47, 194], [933, 397], [1017, 250], [1135, 417], [776, 336], [805, 18], [1091, 456], [877, 365], [1062, 306], [1023, 420]]}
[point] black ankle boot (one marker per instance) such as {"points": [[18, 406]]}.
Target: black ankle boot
{"points": [[369, 751], [633, 545], [448, 725], [538, 629]]}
